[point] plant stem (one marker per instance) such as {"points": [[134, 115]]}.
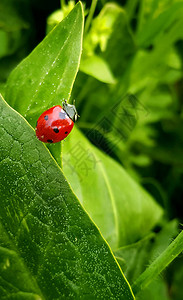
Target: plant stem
{"points": [[130, 8], [62, 3], [173, 250], [90, 16]]}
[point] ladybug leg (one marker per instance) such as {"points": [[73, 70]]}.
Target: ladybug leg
{"points": [[74, 101]]}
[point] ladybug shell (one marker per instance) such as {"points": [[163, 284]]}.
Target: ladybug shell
{"points": [[53, 125]]}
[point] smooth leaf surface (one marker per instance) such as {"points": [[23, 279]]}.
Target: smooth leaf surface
{"points": [[61, 250], [108, 193], [46, 76], [98, 68]]}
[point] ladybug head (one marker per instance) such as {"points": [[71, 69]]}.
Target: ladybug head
{"points": [[70, 110]]}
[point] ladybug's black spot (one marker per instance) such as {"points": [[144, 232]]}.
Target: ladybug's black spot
{"points": [[66, 132], [46, 117], [50, 141], [62, 115], [56, 130]]}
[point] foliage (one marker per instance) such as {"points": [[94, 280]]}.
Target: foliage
{"points": [[76, 215]]}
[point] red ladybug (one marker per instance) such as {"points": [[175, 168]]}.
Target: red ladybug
{"points": [[56, 123]]}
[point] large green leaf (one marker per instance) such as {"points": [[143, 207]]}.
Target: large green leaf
{"points": [[46, 76], [123, 211], [98, 68], [45, 233]]}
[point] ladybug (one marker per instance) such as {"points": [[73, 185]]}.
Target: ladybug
{"points": [[56, 123]]}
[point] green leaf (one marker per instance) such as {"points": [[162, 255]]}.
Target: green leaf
{"points": [[15, 280], [108, 193], [135, 257], [159, 264], [46, 235], [97, 67], [153, 62], [159, 23], [47, 75], [156, 290]]}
